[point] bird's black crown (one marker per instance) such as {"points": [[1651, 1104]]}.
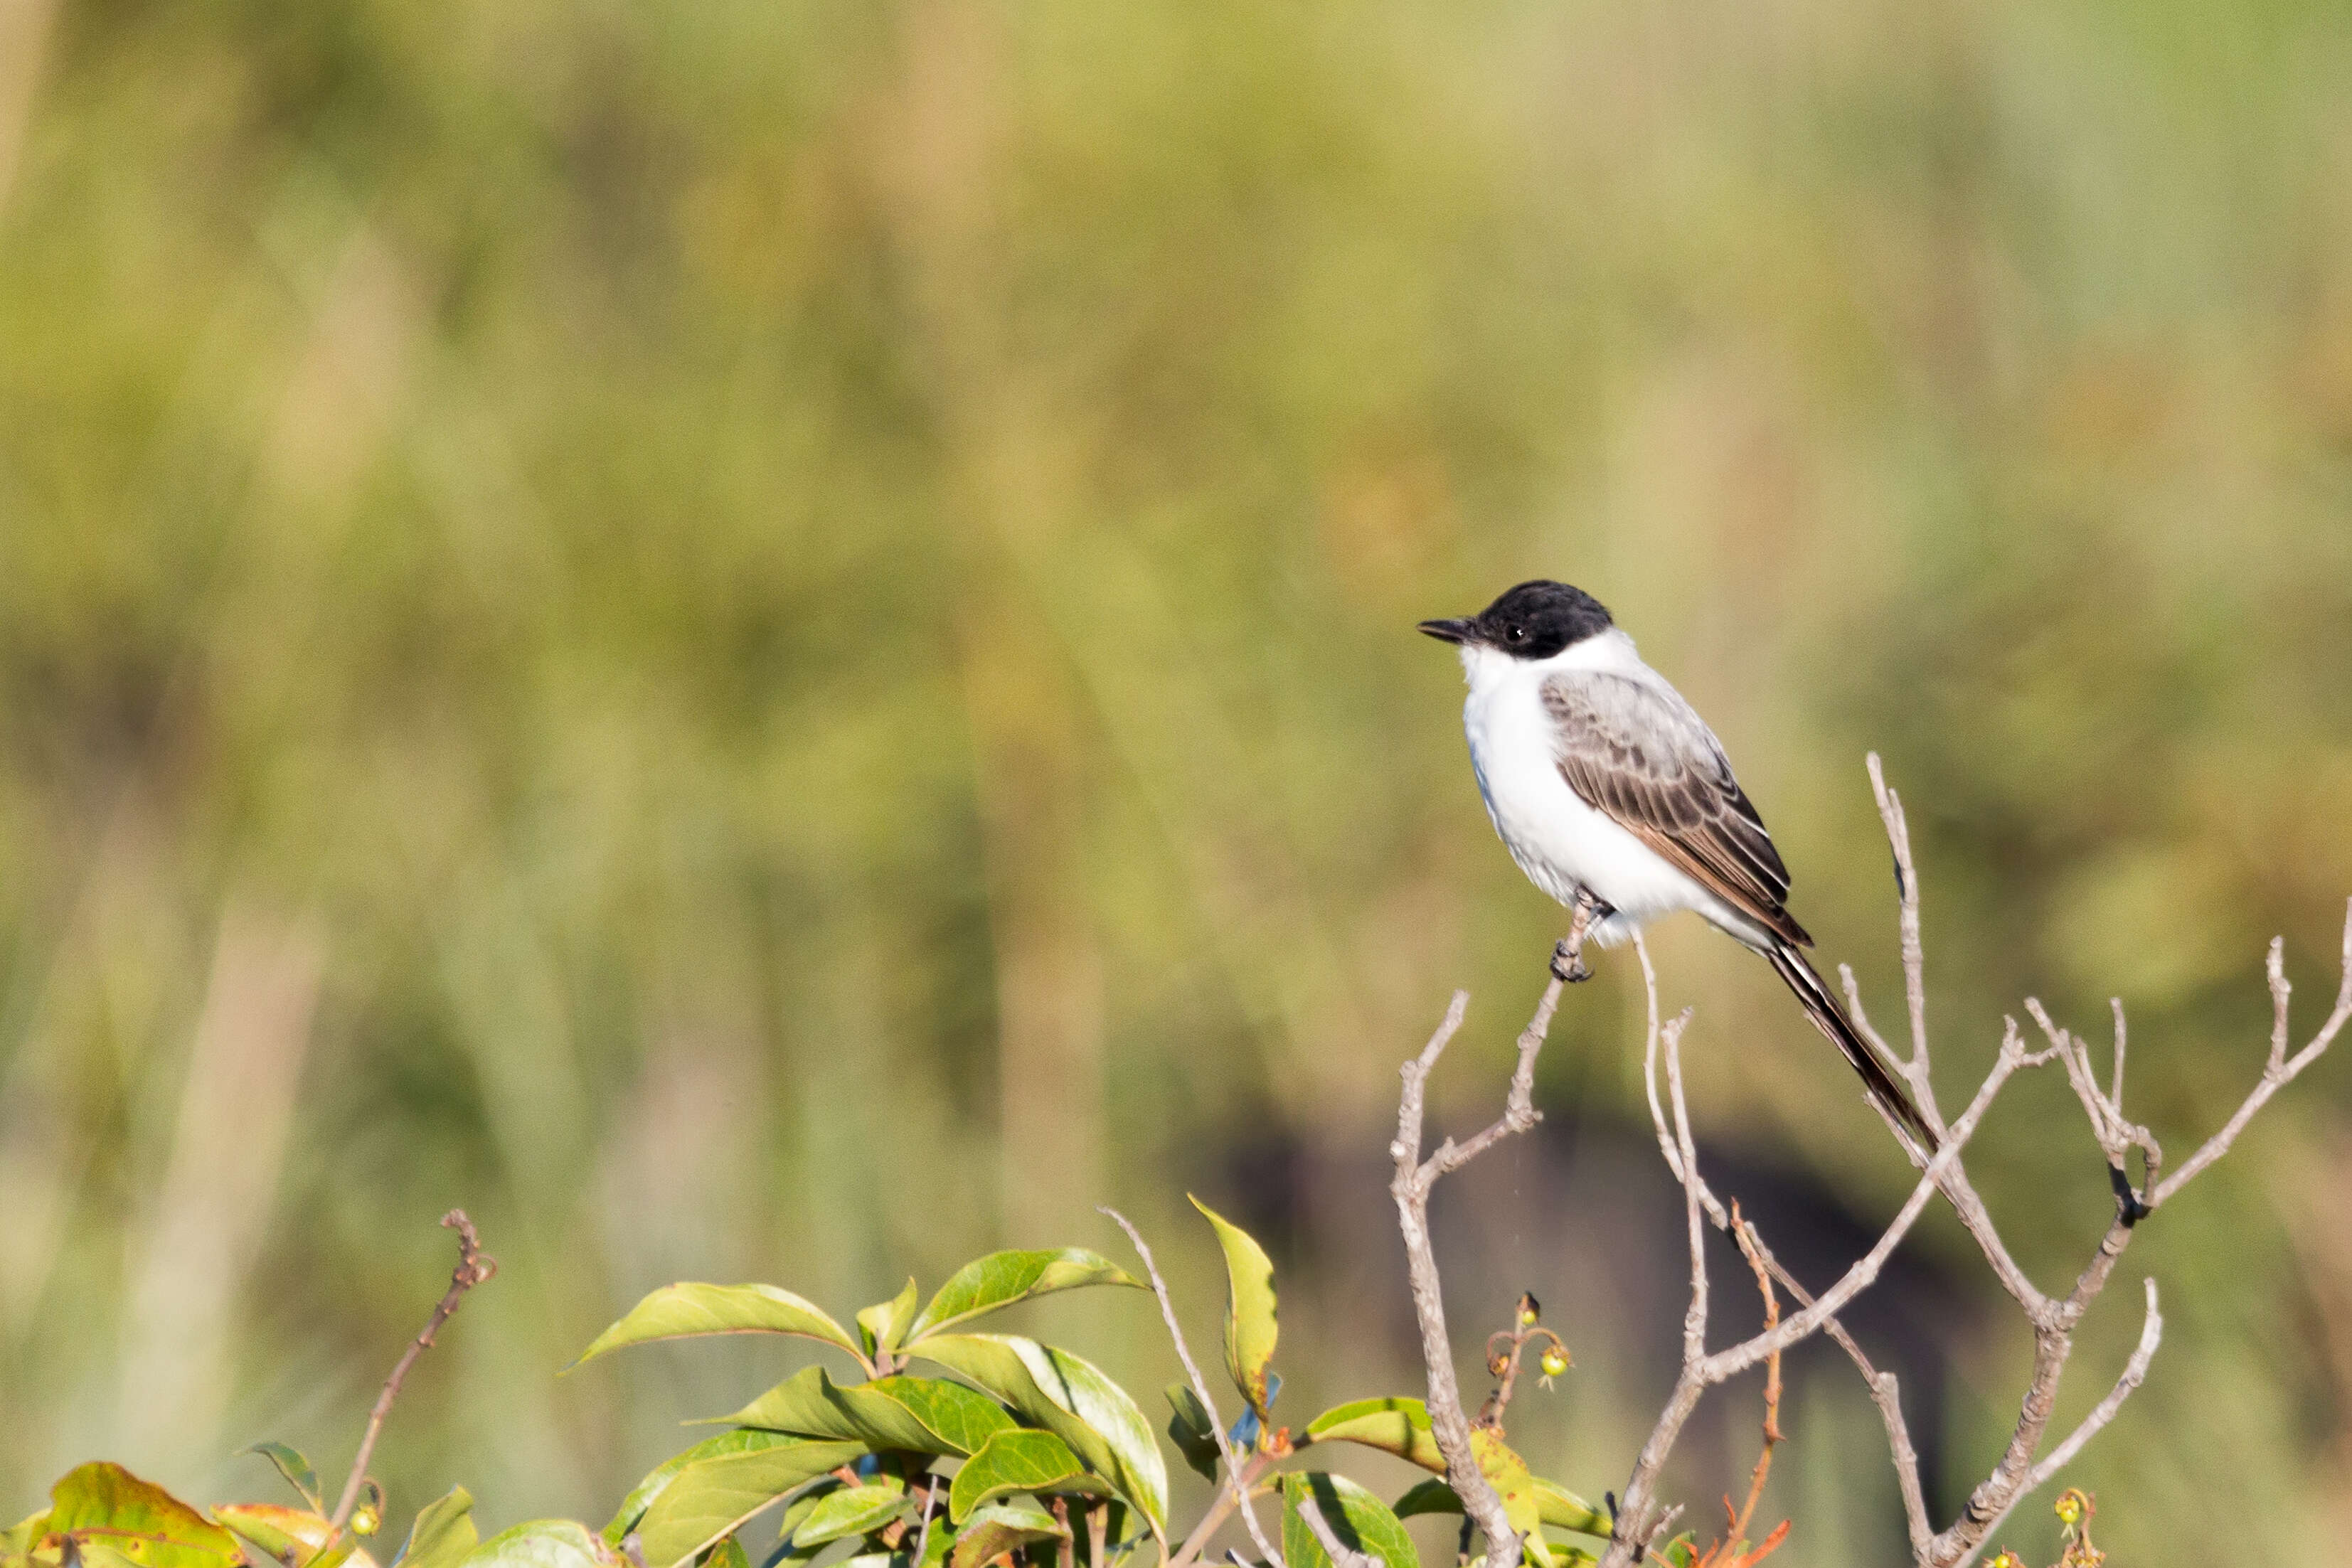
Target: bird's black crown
{"points": [[1533, 620]]}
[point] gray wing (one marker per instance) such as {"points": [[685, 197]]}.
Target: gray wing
{"points": [[1646, 760]]}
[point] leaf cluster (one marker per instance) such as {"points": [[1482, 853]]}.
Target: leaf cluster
{"points": [[953, 1447]]}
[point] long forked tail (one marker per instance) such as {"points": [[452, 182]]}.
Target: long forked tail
{"points": [[1830, 1019]]}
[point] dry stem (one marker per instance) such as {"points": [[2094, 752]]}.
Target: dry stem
{"points": [[1411, 1187], [1238, 1480], [474, 1266]]}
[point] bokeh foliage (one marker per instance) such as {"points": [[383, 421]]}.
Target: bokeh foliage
{"points": [[703, 626]]}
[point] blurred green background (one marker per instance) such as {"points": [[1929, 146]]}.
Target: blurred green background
{"points": [[774, 641]]}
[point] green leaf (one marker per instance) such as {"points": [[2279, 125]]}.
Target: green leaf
{"points": [[852, 1511], [1360, 1520], [795, 1512], [442, 1532], [909, 1415], [682, 1311], [544, 1543], [1399, 1426], [728, 1554], [1194, 1430], [294, 1467], [1000, 1278], [1000, 1528], [102, 1504], [1558, 1508], [883, 1325], [712, 1496], [1070, 1397], [1015, 1460], [1250, 1327], [641, 1496], [1432, 1496]]}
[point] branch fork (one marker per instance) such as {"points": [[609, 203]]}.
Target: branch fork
{"points": [[1642, 1517]]}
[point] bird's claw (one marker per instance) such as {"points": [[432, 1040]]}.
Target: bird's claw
{"points": [[1567, 963]]}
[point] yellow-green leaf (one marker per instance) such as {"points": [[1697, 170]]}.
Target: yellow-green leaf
{"points": [[1564, 1510], [544, 1543], [288, 1534], [1509, 1475], [1558, 1508], [1250, 1327], [713, 1496], [102, 1504], [442, 1534], [641, 1496], [1361, 1521], [1399, 1426], [1000, 1278], [1017, 1459], [687, 1311]]}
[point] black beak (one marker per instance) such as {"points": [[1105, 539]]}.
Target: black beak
{"points": [[1449, 631]]}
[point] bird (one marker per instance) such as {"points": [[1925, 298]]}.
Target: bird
{"points": [[1608, 788]]}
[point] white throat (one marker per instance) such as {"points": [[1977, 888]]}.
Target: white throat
{"points": [[1488, 669]]}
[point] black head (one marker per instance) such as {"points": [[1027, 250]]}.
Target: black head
{"points": [[1533, 620]]}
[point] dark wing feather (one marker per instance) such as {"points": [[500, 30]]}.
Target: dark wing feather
{"points": [[1641, 757]]}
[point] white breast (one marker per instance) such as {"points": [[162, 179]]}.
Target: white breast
{"points": [[1559, 840]]}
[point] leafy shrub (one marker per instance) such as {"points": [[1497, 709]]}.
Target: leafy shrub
{"points": [[1001, 1450]]}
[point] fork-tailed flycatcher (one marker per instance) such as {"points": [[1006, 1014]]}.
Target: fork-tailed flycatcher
{"points": [[1603, 781]]}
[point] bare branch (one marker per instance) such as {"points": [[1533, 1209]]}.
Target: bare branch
{"points": [[1342, 1555], [1237, 1482], [1642, 1517], [1887, 1395], [2135, 1373], [2280, 1070], [1745, 1234], [1410, 1187], [474, 1266], [1915, 964]]}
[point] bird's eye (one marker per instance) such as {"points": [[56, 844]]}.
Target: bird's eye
{"points": [[1516, 634]]}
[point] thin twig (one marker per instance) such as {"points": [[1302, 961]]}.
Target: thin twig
{"points": [[474, 1266], [2135, 1373], [930, 1506], [2280, 1072], [1237, 1482], [1745, 1234]]}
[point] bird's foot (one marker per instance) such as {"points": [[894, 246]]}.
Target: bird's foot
{"points": [[1567, 962]]}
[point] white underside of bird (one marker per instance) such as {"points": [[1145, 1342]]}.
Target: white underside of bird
{"points": [[1561, 842]]}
